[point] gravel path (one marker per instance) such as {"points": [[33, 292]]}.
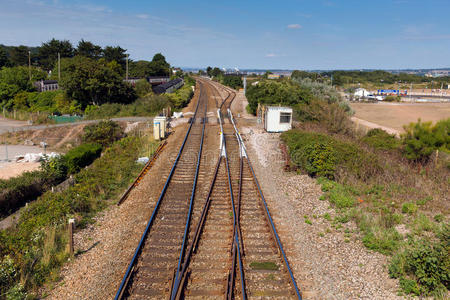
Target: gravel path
{"points": [[327, 263]]}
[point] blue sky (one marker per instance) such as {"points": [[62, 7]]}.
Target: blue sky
{"points": [[329, 34]]}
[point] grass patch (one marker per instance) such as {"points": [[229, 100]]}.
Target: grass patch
{"points": [[341, 196], [409, 208]]}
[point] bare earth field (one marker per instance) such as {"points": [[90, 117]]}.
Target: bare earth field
{"points": [[396, 115]]}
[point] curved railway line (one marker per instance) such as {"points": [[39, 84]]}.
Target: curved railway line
{"points": [[213, 237]]}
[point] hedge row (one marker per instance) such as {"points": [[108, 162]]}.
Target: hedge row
{"points": [[16, 191]]}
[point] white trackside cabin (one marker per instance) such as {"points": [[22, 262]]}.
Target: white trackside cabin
{"points": [[277, 118]]}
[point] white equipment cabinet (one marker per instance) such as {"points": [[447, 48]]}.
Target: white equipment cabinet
{"points": [[277, 118]]}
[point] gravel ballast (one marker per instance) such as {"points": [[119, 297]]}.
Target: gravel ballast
{"points": [[327, 263]]}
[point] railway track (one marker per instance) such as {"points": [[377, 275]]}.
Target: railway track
{"points": [[223, 245]]}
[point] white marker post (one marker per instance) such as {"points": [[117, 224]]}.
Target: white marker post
{"points": [[71, 229]]}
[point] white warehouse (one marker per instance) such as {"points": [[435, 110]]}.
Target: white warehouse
{"points": [[277, 118]]}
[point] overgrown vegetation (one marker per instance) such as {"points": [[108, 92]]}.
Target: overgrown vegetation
{"points": [[146, 106], [380, 139], [32, 252], [422, 139], [394, 190], [104, 133], [28, 186], [181, 97], [369, 186], [18, 190]]}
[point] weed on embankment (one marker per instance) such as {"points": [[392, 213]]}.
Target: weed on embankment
{"points": [[399, 209]]}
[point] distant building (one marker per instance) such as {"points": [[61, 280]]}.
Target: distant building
{"points": [[46, 85], [156, 80], [361, 93]]}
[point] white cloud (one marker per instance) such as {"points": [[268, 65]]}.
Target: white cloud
{"points": [[294, 26], [271, 55], [142, 16]]}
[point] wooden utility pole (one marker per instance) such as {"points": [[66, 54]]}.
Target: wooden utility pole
{"points": [[59, 67], [126, 76], [29, 64]]}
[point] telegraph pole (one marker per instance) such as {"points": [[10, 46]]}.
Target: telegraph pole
{"points": [[126, 76], [29, 64], [59, 66]]}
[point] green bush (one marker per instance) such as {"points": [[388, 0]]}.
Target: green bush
{"points": [[322, 155], [181, 97], [423, 267], [320, 159], [422, 139], [232, 81], [104, 133], [82, 156], [380, 139]]}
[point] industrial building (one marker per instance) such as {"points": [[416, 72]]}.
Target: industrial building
{"points": [[168, 87]]}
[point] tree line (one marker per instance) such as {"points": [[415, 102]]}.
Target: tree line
{"points": [[233, 81], [376, 77], [89, 75]]}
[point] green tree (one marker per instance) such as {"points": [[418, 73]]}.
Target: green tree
{"points": [[422, 139], [88, 49], [4, 61], [115, 54], [233, 81], [216, 72], [208, 71], [94, 82], [19, 56], [159, 65], [140, 68], [296, 74], [48, 52]]}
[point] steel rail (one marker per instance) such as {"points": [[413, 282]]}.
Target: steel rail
{"points": [[176, 291], [130, 268], [269, 217], [180, 277], [235, 233], [177, 278]]}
